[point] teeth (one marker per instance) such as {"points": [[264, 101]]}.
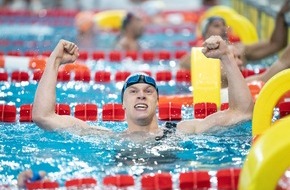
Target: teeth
{"points": [[142, 106]]}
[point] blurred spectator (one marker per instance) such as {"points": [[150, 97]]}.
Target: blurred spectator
{"points": [[216, 26], [131, 30], [85, 30]]}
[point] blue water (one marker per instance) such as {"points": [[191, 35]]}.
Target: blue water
{"points": [[65, 156], [41, 37]]}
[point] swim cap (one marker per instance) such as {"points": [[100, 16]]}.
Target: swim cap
{"points": [[84, 21], [205, 24], [138, 78]]}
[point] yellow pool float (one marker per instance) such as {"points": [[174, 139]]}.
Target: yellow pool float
{"points": [[269, 157], [205, 78], [109, 19]]}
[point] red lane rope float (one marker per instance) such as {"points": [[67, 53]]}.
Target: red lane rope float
{"points": [[19, 76], [25, 113], [228, 178], [121, 75], [163, 76], [120, 181], [46, 53], [164, 55], [63, 76], [86, 112], [246, 73], [180, 53], [148, 55], [285, 97], [81, 183], [102, 76], [132, 54], [113, 112], [62, 109], [183, 76], [3, 76], [7, 113], [97, 55], [83, 55], [194, 180], [82, 75], [159, 181], [31, 53], [169, 111], [37, 74], [15, 53], [284, 109], [201, 110], [82, 72], [115, 56], [42, 185], [225, 106]]}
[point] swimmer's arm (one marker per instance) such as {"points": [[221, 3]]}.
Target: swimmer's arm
{"points": [[71, 124], [89, 130], [184, 62], [43, 112], [240, 98], [221, 118], [277, 42], [279, 65]]}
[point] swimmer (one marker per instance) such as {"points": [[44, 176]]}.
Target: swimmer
{"points": [[140, 97], [131, 30]]}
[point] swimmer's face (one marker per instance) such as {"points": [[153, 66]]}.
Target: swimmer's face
{"points": [[216, 28], [237, 56], [140, 103]]}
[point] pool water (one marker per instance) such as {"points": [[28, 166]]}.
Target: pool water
{"points": [[64, 155]]}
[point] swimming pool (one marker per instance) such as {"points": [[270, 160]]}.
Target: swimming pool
{"points": [[65, 156]]}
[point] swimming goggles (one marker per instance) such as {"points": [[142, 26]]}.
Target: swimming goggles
{"points": [[138, 78]]}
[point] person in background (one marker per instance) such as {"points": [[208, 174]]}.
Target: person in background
{"points": [[278, 40], [86, 32], [131, 30], [282, 63]]}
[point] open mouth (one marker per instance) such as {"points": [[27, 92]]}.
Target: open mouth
{"points": [[141, 106]]}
